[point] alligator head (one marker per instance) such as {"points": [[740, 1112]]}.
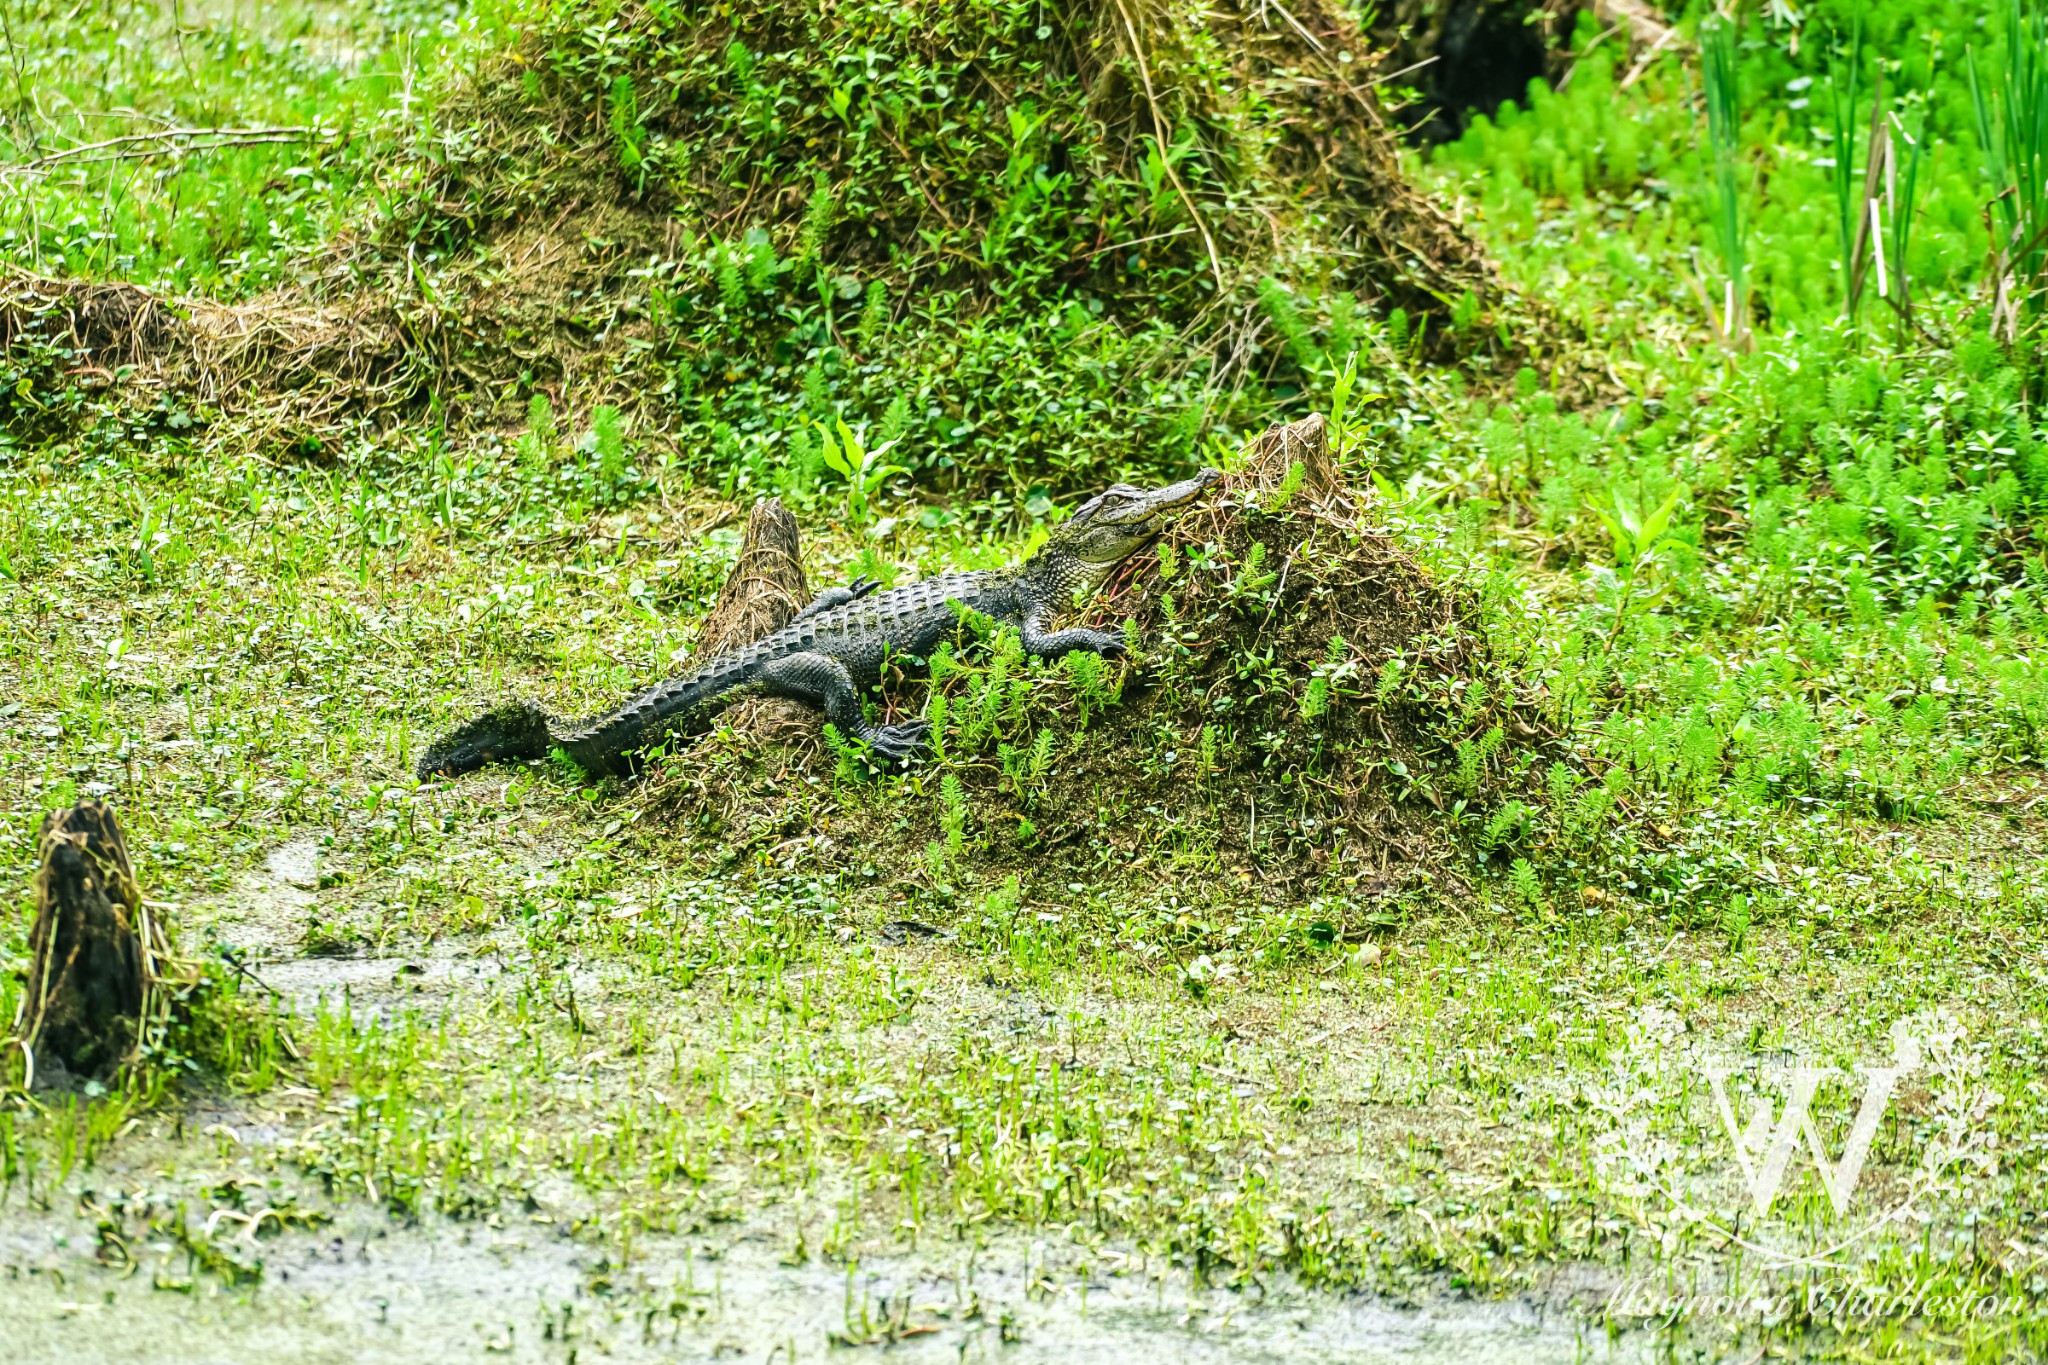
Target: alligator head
{"points": [[1109, 528]]}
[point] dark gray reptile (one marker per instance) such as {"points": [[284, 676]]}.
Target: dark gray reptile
{"points": [[839, 643]]}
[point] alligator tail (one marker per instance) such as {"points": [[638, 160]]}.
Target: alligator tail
{"points": [[609, 744], [613, 743], [512, 732]]}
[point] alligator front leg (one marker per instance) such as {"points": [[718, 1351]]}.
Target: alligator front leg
{"points": [[1051, 644], [836, 597], [822, 681]]}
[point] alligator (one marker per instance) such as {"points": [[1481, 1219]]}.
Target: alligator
{"points": [[839, 644]]}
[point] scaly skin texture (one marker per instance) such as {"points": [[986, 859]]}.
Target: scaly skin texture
{"points": [[838, 645]]}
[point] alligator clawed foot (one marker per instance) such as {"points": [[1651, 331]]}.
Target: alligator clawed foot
{"points": [[1109, 644], [898, 741], [861, 587]]}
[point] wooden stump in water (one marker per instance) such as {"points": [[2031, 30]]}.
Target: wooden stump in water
{"points": [[92, 952], [766, 588]]}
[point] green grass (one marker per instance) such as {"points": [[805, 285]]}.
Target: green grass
{"points": [[1764, 635], [86, 84], [1633, 174]]}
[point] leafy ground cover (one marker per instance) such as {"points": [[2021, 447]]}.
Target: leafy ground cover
{"points": [[104, 180], [1339, 943]]}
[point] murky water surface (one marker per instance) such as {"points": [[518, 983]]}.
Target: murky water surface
{"points": [[369, 1290]]}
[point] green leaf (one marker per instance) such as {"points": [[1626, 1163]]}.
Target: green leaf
{"points": [[1624, 542], [1654, 524], [834, 459], [875, 477], [1340, 396], [856, 453]]}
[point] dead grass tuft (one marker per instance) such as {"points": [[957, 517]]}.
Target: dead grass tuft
{"points": [[279, 360]]}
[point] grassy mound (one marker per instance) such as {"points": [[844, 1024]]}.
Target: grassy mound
{"points": [[1302, 706], [1030, 243], [998, 149], [1036, 246]]}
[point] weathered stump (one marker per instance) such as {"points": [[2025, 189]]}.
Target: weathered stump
{"points": [[766, 587], [764, 592], [1307, 443], [93, 952]]}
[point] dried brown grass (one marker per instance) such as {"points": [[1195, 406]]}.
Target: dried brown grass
{"points": [[280, 359]]}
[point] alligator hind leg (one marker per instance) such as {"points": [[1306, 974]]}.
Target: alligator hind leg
{"points": [[836, 597], [823, 682]]}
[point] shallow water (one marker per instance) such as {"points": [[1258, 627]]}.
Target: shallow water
{"points": [[373, 1288], [369, 1290]]}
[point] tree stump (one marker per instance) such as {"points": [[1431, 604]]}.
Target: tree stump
{"points": [[763, 594], [1306, 442], [766, 588], [93, 951]]}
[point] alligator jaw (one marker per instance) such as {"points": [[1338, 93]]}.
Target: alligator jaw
{"points": [[1108, 529], [1160, 501]]}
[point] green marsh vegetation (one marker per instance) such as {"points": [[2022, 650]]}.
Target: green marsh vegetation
{"points": [[1311, 945]]}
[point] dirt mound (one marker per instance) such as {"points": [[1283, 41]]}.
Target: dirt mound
{"points": [[745, 222], [119, 322], [1234, 141], [804, 210], [1335, 675], [1307, 709]]}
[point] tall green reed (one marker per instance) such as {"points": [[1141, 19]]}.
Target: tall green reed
{"points": [[1849, 209], [1728, 212], [2012, 127]]}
